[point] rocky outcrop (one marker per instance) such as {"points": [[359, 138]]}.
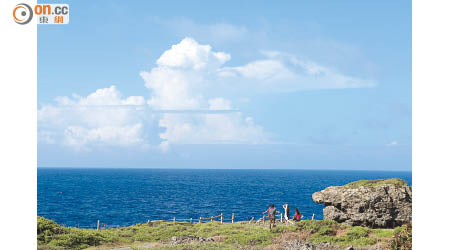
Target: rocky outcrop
{"points": [[189, 239], [303, 245], [376, 204]]}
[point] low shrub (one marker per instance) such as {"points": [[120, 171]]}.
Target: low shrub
{"points": [[313, 226], [402, 239], [47, 229], [357, 232]]}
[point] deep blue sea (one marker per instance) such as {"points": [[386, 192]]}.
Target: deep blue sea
{"points": [[122, 197]]}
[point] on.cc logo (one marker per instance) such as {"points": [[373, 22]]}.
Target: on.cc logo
{"points": [[22, 13]]}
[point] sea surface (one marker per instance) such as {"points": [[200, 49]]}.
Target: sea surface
{"points": [[122, 197]]}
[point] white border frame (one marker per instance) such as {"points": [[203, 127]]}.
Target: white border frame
{"points": [[18, 129]]}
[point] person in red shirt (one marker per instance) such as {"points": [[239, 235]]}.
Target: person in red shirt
{"points": [[298, 216]]}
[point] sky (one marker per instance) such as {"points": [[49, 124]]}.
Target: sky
{"points": [[231, 84]]}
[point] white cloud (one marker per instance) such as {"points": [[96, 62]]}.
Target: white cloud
{"points": [[189, 74], [219, 104], [126, 135], [172, 88], [187, 77], [260, 70], [281, 72], [101, 118], [393, 143], [182, 75], [182, 81], [189, 54], [218, 33], [211, 129]]}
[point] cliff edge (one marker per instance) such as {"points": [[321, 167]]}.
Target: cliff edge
{"points": [[372, 203]]}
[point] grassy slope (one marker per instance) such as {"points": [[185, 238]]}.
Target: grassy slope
{"points": [[52, 236], [374, 183]]}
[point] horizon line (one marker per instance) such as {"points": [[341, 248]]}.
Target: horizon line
{"points": [[309, 169]]}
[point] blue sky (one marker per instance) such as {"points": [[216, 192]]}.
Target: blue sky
{"points": [[235, 84]]}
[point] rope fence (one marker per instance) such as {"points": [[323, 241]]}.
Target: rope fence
{"points": [[201, 219], [279, 217]]}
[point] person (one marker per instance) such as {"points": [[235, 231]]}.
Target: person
{"points": [[297, 216], [286, 213], [271, 211]]}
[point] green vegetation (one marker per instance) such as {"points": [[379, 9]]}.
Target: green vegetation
{"points": [[402, 238], [374, 183], [314, 226], [208, 245], [335, 233], [383, 233], [52, 236]]}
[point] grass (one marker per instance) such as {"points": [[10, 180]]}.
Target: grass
{"points": [[344, 235], [314, 226], [208, 245], [356, 236], [374, 183], [52, 236]]}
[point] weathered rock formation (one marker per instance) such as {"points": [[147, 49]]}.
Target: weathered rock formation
{"points": [[303, 245], [376, 204]]}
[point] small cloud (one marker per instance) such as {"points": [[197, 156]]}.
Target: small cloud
{"points": [[282, 72], [218, 33], [393, 143], [189, 54]]}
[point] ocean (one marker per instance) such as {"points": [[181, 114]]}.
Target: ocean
{"points": [[123, 197]]}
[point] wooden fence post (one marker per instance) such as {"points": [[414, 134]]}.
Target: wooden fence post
{"points": [[174, 220], [312, 217], [200, 220], [232, 218], [264, 219], [98, 225], [281, 217], [190, 221], [221, 218]]}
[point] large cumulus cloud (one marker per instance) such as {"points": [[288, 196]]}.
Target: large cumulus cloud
{"points": [[191, 100]]}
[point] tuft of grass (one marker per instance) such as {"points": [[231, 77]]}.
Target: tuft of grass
{"points": [[78, 239], [357, 232], [399, 229], [383, 233], [46, 229], [313, 226], [364, 241], [327, 230], [374, 183], [241, 234]]}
